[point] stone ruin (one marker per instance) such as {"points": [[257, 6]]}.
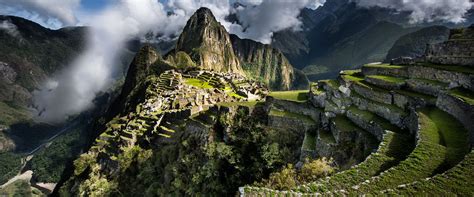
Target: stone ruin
{"points": [[458, 50]]}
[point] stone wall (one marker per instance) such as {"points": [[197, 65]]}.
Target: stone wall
{"points": [[294, 107], [397, 72], [460, 110], [452, 52], [455, 78]]}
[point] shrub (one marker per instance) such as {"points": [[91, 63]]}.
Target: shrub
{"points": [[313, 170], [283, 180]]}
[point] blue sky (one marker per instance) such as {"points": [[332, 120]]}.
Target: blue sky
{"points": [[94, 5]]}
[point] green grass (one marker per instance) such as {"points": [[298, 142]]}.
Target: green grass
{"points": [[388, 66], [334, 84], [309, 142], [352, 78], [388, 79], [455, 181], [344, 124], [425, 160], [280, 113], [453, 135], [350, 72], [393, 148], [315, 89], [464, 94], [198, 83], [296, 95], [369, 116]]}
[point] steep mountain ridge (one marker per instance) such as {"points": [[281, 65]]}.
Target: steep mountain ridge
{"points": [[208, 43]]}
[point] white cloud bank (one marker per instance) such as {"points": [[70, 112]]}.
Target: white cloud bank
{"points": [[426, 10]]}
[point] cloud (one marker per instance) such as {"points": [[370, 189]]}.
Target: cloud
{"points": [[426, 10], [260, 19], [74, 88], [10, 28], [49, 12]]}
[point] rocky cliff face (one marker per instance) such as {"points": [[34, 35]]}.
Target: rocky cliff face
{"points": [[266, 63], [208, 43]]}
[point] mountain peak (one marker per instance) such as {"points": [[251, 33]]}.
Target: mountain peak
{"points": [[208, 43]]}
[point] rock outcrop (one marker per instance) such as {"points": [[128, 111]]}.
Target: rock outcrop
{"points": [[208, 43]]}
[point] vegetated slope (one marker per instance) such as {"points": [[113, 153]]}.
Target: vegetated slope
{"points": [[267, 64], [414, 44], [367, 45], [29, 53]]}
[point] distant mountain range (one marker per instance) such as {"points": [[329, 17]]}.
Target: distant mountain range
{"points": [[341, 35]]}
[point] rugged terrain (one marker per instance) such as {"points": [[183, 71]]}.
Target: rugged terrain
{"points": [[420, 111], [187, 129]]}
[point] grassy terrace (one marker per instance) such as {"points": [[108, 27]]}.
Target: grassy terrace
{"points": [[369, 116], [463, 94], [344, 124], [409, 93], [391, 151], [334, 84], [305, 118], [389, 79], [387, 66], [198, 83], [455, 181], [353, 78], [428, 157], [453, 135], [297, 95]]}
